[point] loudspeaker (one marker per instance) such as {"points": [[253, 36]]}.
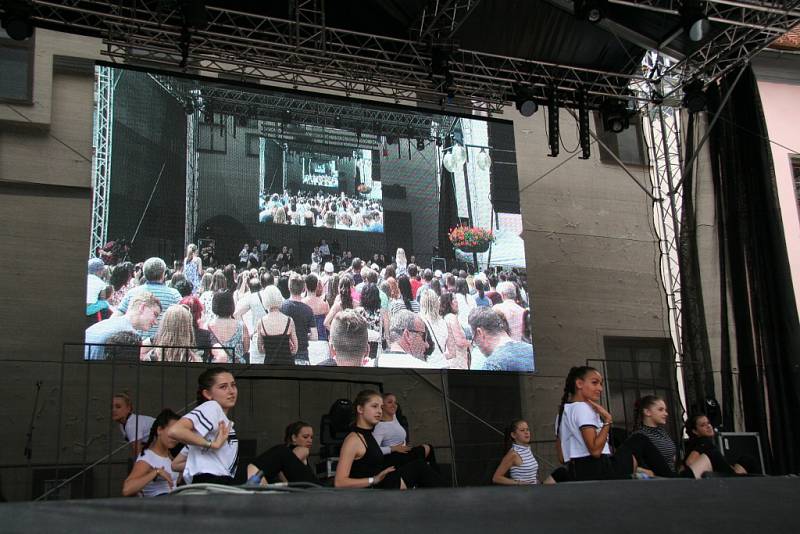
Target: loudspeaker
{"points": [[438, 263], [741, 448]]}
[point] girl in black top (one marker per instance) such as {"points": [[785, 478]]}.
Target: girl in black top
{"points": [[288, 461], [361, 459], [653, 448], [703, 453]]}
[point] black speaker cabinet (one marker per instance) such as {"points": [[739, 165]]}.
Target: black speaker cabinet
{"points": [[735, 445]]}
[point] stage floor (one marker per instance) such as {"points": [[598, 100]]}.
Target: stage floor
{"points": [[658, 506]]}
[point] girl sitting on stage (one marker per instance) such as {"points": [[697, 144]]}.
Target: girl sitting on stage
{"points": [[582, 428], [288, 461], [391, 437], [152, 473], [518, 461], [207, 432], [361, 460]]}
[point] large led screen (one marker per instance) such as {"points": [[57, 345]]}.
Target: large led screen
{"points": [[237, 224]]}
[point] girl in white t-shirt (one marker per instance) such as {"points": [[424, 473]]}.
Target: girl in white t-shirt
{"points": [[208, 433], [152, 473], [582, 428]]}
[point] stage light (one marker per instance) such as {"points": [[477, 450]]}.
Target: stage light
{"points": [[552, 123], [17, 20], [615, 115], [591, 10], [483, 160], [524, 102], [188, 107], [420, 145], [459, 154], [448, 162], [694, 96], [337, 122], [694, 20], [583, 126]]}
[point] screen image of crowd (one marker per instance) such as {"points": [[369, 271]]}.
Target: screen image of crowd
{"points": [[334, 310], [325, 210]]}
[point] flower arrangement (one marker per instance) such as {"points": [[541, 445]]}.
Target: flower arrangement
{"points": [[471, 239]]}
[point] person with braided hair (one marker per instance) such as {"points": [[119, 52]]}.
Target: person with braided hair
{"points": [[582, 428], [152, 473]]}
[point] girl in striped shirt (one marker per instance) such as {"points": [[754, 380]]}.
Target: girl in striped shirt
{"points": [[518, 466]]}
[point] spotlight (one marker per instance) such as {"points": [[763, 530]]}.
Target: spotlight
{"points": [[337, 122], [694, 96], [17, 20], [694, 20], [552, 123], [523, 100], [188, 107], [420, 145], [591, 10], [615, 115], [483, 160], [583, 126]]}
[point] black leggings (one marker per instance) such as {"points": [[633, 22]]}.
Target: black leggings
{"points": [[415, 473], [397, 459], [205, 478], [281, 459], [605, 467]]}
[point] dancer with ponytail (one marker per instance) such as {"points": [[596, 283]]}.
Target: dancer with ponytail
{"points": [[582, 428], [361, 462], [518, 461], [211, 443], [152, 473]]}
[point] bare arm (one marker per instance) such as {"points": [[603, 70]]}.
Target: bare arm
{"points": [[293, 336], [242, 307], [336, 308], [179, 463], [510, 459], [141, 475], [184, 432], [352, 446]]}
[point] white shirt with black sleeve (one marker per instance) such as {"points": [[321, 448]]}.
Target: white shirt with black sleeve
{"points": [[220, 462], [577, 415]]}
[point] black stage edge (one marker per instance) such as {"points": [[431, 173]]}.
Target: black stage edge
{"points": [[728, 506]]}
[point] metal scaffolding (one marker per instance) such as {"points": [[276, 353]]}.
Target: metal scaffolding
{"points": [[661, 125], [305, 52], [192, 178], [101, 161]]}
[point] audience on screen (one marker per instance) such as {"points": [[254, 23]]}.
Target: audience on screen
{"points": [[229, 318]]}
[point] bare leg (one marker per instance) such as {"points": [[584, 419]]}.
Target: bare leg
{"points": [[403, 484]]}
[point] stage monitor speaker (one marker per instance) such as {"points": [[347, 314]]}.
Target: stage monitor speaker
{"points": [[439, 263], [735, 445]]}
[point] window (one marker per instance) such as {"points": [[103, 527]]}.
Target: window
{"points": [[212, 138], [16, 64], [634, 368], [628, 145]]}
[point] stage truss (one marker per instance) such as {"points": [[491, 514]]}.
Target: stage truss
{"points": [[306, 53], [101, 161]]}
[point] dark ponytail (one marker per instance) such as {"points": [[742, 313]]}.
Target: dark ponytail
{"points": [[640, 406], [508, 441], [569, 389], [479, 288], [206, 380], [161, 421]]}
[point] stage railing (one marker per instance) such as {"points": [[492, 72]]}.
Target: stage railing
{"points": [[75, 450]]}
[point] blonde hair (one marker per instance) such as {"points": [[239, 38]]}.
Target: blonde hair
{"points": [[191, 249], [177, 332], [429, 305], [400, 257], [272, 297], [146, 298], [280, 216]]}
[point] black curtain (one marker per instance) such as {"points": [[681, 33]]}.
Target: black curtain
{"points": [[694, 331], [448, 216], [756, 274]]}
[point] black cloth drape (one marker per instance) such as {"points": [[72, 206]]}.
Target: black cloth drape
{"points": [[757, 276], [694, 331], [448, 216]]}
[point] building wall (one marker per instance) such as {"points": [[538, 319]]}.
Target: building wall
{"points": [[592, 270], [779, 99]]}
